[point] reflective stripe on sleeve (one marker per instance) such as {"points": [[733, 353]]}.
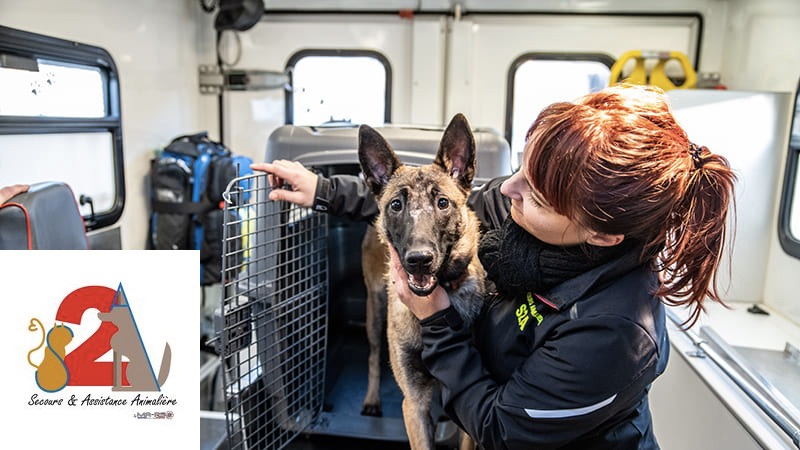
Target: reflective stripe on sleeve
{"points": [[564, 413]]}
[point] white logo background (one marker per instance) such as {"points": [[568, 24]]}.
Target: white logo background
{"points": [[163, 289]]}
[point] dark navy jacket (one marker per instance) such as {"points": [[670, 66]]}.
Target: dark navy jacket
{"points": [[566, 368]]}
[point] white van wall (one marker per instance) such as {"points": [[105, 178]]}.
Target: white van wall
{"points": [[251, 117], [761, 50], [159, 45], [757, 156], [483, 47]]}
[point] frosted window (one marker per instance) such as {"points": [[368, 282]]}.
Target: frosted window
{"points": [[84, 161], [336, 89], [56, 90], [60, 120]]}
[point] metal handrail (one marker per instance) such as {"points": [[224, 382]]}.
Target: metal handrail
{"points": [[773, 393], [766, 404]]}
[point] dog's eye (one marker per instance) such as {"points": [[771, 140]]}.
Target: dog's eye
{"points": [[443, 203], [396, 205]]}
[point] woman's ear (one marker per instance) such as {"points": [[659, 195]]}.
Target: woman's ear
{"points": [[604, 239]]}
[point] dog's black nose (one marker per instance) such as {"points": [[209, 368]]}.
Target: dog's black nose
{"points": [[419, 260]]}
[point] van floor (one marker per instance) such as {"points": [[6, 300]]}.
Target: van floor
{"points": [[346, 375], [341, 424]]}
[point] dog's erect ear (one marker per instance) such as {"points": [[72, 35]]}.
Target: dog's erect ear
{"points": [[457, 151], [377, 159]]}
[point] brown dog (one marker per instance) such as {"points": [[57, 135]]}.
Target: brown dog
{"points": [[127, 342], [423, 214]]}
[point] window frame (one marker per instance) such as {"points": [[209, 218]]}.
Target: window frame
{"points": [[31, 45], [297, 56], [789, 243], [542, 56]]}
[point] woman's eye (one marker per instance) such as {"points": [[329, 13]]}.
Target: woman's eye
{"points": [[443, 203], [396, 205], [535, 202]]}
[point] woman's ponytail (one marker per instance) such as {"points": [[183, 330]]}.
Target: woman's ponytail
{"points": [[697, 233]]}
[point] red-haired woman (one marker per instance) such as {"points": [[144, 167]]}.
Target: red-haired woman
{"points": [[613, 213]]}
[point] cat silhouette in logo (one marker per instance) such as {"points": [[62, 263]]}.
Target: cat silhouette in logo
{"points": [[127, 342], [52, 374]]}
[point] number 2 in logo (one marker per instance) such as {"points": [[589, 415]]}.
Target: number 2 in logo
{"points": [[117, 332]]}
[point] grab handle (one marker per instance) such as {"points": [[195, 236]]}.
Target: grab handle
{"points": [[657, 76]]}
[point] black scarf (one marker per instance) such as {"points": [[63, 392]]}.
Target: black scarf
{"points": [[517, 262]]}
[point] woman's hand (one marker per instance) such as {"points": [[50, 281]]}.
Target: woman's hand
{"points": [[302, 181], [10, 191], [421, 307]]}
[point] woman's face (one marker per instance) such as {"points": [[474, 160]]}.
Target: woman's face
{"points": [[530, 211]]}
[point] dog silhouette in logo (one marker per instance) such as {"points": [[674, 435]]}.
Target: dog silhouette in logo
{"points": [[127, 342], [51, 374]]}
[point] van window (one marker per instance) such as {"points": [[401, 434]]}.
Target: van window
{"points": [[60, 120], [339, 86], [789, 220], [52, 89], [537, 80]]}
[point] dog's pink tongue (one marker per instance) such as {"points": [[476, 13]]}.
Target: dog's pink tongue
{"points": [[421, 281]]}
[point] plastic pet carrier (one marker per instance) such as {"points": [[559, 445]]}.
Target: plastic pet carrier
{"points": [[272, 338], [294, 342]]}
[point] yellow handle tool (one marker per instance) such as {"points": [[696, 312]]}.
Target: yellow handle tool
{"points": [[657, 76]]}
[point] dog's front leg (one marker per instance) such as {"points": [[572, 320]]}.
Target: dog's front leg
{"points": [[414, 380], [466, 442], [417, 417]]}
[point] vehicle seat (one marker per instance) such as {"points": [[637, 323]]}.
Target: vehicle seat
{"points": [[46, 217]]}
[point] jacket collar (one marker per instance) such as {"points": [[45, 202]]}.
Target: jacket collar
{"points": [[563, 295]]}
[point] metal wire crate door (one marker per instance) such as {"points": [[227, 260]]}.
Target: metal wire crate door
{"points": [[275, 296]]}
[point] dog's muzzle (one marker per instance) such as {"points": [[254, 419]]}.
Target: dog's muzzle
{"points": [[418, 264]]}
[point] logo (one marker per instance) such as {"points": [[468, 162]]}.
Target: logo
{"points": [[525, 312], [102, 345], [117, 333]]}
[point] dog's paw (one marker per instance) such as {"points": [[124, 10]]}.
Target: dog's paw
{"points": [[372, 410]]}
